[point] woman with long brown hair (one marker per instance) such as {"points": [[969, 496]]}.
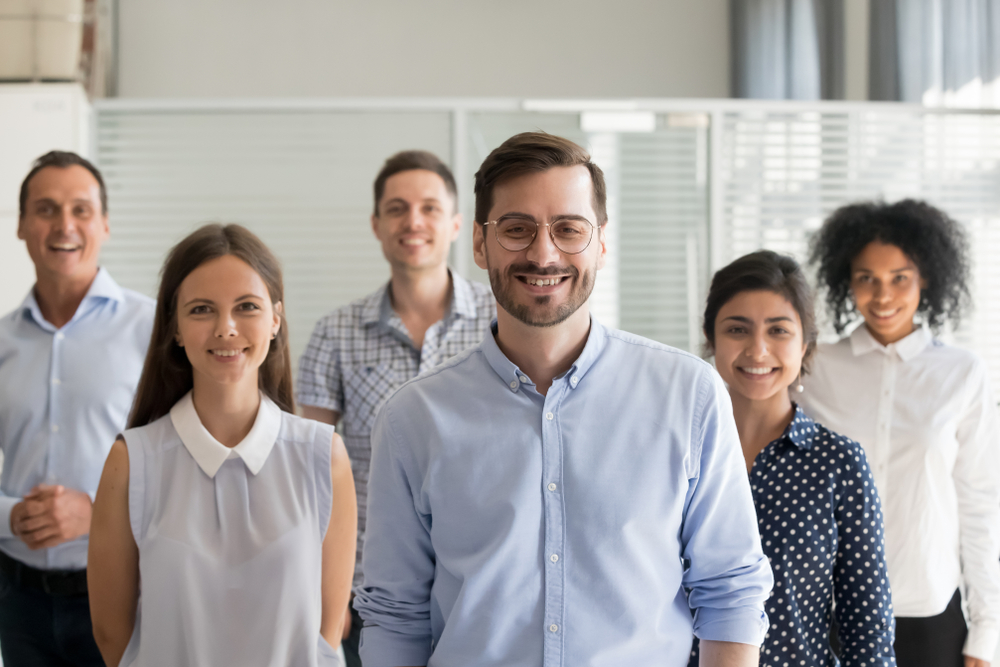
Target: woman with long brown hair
{"points": [[237, 517]]}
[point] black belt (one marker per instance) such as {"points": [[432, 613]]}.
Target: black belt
{"points": [[61, 583]]}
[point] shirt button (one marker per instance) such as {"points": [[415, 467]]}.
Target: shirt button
{"points": [[513, 384], [573, 380], [553, 628], [549, 416], [524, 378], [56, 381], [55, 428], [60, 336], [552, 486], [554, 558]]}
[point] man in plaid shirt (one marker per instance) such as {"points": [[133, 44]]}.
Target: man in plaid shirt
{"points": [[360, 353]]}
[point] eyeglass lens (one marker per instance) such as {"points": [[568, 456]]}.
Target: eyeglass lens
{"points": [[569, 236]]}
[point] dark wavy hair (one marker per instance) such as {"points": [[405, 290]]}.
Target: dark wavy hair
{"points": [[935, 242], [167, 374], [763, 270]]}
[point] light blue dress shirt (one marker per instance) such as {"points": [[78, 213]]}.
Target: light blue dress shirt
{"points": [[603, 523], [64, 396]]}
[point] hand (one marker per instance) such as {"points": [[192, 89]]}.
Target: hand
{"points": [[975, 662], [347, 622], [50, 515]]}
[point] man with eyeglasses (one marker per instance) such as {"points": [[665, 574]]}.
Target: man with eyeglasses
{"points": [[563, 493], [425, 314]]}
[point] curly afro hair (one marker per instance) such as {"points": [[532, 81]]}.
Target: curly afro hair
{"points": [[936, 243]]}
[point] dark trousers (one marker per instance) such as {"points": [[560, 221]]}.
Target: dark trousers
{"points": [[353, 641], [42, 630], [932, 640]]}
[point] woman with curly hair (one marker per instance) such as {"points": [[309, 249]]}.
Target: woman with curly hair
{"points": [[925, 415]]}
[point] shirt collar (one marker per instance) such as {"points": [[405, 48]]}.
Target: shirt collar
{"points": [[209, 453], [801, 431], [103, 288], [511, 374], [378, 306], [862, 342], [463, 300]]}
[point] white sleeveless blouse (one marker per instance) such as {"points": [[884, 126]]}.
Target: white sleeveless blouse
{"points": [[230, 541]]}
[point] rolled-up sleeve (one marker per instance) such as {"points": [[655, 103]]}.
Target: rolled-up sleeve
{"points": [[320, 381], [398, 560], [728, 577]]}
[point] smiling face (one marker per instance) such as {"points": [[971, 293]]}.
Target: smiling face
{"points": [[416, 221], [225, 322], [886, 286], [540, 285], [758, 344], [63, 224]]}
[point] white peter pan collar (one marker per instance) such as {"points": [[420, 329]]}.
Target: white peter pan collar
{"points": [[209, 453]]}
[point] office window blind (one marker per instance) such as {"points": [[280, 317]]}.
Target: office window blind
{"points": [[783, 172], [301, 180]]}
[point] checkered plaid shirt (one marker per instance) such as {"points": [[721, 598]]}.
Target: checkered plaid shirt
{"points": [[361, 353]]}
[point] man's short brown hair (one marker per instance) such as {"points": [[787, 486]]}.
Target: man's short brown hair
{"points": [[408, 160], [60, 160], [532, 153]]}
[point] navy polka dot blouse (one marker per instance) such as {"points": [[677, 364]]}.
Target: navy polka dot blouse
{"points": [[820, 522]]}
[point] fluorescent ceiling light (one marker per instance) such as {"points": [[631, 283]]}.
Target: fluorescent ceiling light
{"points": [[617, 121]]}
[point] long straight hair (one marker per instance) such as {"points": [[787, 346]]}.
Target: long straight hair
{"points": [[167, 373]]}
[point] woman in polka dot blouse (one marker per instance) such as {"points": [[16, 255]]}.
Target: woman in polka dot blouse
{"points": [[818, 512]]}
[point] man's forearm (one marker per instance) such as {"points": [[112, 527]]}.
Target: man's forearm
{"points": [[728, 654]]}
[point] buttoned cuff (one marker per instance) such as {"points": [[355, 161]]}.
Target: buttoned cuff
{"points": [[743, 625], [982, 641], [6, 505], [383, 648]]}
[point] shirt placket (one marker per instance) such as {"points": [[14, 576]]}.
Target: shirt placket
{"points": [[555, 521], [56, 429], [883, 420], [430, 350]]}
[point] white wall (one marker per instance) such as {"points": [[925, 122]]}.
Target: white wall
{"points": [[34, 119], [509, 48]]}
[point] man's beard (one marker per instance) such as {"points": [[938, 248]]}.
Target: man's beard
{"points": [[543, 314]]}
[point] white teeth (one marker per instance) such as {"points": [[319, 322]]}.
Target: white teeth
{"points": [[757, 371], [225, 353], [542, 282], [65, 246], [884, 313], [413, 242]]}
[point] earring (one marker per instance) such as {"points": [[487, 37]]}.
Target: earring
{"points": [[798, 379]]}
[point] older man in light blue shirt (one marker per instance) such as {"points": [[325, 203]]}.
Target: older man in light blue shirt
{"points": [[563, 494], [70, 360]]}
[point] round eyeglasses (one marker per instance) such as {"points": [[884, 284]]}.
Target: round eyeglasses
{"points": [[570, 235]]}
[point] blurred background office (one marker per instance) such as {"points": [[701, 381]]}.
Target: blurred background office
{"points": [[723, 126]]}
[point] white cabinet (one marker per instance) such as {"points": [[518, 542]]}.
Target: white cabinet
{"points": [[34, 119]]}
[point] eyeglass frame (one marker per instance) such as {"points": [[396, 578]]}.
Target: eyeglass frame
{"points": [[593, 230]]}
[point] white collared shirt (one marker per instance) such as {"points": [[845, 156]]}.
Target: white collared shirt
{"points": [[925, 415]]}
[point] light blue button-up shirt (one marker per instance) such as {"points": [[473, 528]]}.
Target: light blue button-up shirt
{"points": [[64, 396], [603, 523]]}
